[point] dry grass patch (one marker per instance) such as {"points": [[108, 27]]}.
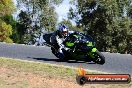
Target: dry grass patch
{"points": [[28, 74]]}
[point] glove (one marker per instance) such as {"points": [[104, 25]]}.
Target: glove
{"points": [[64, 49], [67, 49]]}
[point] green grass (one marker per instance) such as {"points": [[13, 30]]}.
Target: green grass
{"points": [[41, 69], [38, 67]]}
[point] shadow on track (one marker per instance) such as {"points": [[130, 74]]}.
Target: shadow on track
{"points": [[57, 60], [44, 59]]}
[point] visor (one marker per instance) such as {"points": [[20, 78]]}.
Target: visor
{"points": [[65, 32]]}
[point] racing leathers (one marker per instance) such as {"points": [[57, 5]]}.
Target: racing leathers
{"points": [[57, 41]]}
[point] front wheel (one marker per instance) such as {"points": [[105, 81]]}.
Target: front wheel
{"points": [[99, 58]]}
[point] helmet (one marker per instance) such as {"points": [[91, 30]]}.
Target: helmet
{"points": [[63, 30]]}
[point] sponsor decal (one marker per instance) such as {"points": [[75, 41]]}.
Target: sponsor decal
{"points": [[83, 78]]}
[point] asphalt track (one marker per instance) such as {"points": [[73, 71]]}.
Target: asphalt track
{"points": [[115, 63]]}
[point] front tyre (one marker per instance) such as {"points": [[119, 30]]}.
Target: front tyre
{"points": [[99, 58]]}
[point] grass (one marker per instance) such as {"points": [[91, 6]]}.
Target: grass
{"points": [[39, 67], [18, 66], [36, 67]]}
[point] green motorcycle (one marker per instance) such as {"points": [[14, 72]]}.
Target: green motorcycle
{"points": [[81, 47]]}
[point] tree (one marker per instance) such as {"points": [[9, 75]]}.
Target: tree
{"points": [[6, 8], [42, 16], [42, 12], [48, 19], [5, 32], [106, 21], [70, 25], [10, 21], [129, 13], [24, 26]]}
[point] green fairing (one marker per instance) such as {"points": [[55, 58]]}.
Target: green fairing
{"points": [[91, 54], [75, 36], [69, 44], [94, 50], [90, 44]]}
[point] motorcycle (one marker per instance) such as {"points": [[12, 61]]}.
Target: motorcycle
{"points": [[80, 47]]}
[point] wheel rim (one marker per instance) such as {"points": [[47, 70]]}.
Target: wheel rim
{"points": [[99, 59]]}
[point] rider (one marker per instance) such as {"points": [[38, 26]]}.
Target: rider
{"points": [[58, 37]]}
